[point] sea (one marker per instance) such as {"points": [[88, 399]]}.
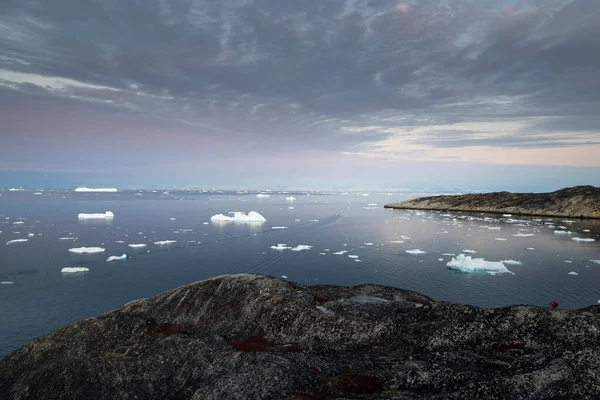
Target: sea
{"points": [[318, 238]]}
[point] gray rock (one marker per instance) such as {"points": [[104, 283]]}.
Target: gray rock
{"points": [[257, 337], [575, 202]]}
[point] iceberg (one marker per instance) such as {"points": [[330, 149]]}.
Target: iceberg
{"points": [[301, 247], [397, 241], [572, 273], [16, 241], [95, 190], [531, 248], [511, 262], [262, 195], [469, 251], [6, 283], [105, 215], [137, 246], [165, 242], [284, 277], [468, 264], [117, 258], [352, 256], [281, 247], [585, 230], [415, 251], [251, 217], [595, 261], [86, 250], [71, 270], [339, 253], [507, 215], [501, 239], [523, 234], [583, 240], [290, 198], [67, 238], [563, 232], [368, 244], [279, 227]]}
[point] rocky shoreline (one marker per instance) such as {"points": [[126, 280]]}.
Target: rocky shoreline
{"points": [[575, 202], [258, 337]]}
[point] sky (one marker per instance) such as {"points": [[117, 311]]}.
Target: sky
{"points": [[478, 94]]}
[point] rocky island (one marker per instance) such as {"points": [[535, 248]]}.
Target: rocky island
{"points": [[575, 202], [257, 337]]}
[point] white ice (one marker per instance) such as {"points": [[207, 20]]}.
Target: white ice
{"points": [[290, 198], [448, 254], [71, 270], [369, 244], [396, 241], [16, 241], [67, 238], [501, 239], [469, 251], [531, 248], [86, 250], [511, 262], [281, 247], [585, 230], [137, 245], [339, 253], [284, 277], [261, 195], [352, 256], [117, 258], [584, 240], [563, 232], [415, 251], [468, 264], [30, 235], [165, 242], [572, 273], [105, 215], [595, 261], [523, 234], [6, 283], [507, 215], [279, 227], [251, 217], [301, 247], [96, 190]]}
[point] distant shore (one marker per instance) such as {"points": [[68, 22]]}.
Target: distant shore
{"points": [[575, 202]]}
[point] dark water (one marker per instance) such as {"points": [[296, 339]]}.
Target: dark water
{"points": [[41, 298]]}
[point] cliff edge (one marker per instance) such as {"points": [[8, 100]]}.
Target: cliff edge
{"points": [[575, 202], [257, 337]]}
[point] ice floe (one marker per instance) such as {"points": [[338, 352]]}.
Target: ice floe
{"points": [[523, 234], [572, 273], [352, 256], [397, 241], [67, 238], [96, 190], [117, 258], [290, 198], [415, 251], [469, 251], [563, 232], [165, 242], [500, 239], [584, 240], [369, 244], [586, 230], [339, 253], [279, 227], [72, 270], [16, 241], [6, 283], [251, 217], [468, 264], [105, 215], [137, 245], [595, 261], [531, 248], [86, 250], [301, 247], [262, 195], [511, 262], [281, 246]]}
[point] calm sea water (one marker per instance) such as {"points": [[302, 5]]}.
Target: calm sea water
{"points": [[36, 297]]}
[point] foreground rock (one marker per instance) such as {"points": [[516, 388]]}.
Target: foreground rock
{"points": [[575, 202], [256, 337]]}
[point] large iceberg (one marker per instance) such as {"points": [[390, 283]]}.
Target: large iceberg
{"points": [[117, 258], [87, 250], [104, 215], [251, 217], [96, 190], [71, 270], [468, 264]]}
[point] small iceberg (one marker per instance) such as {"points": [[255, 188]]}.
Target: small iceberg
{"points": [[16, 241], [117, 258], [397, 241], [511, 262], [595, 261], [165, 242], [415, 251], [301, 247], [468, 264], [67, 238], [6, 283], [105, 215], [352, 256], [290, 198], [251, 217], [563, 232], [262, 195], [279, 227], [87, 250], [137, 245], [72, 270], [339, 253], [281, 247], [572, 273], [500, 239], [523, 234], [469, 251], [95, 190], [583, 240]]}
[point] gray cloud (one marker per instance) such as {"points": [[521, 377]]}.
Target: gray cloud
{"points": [[298, 73]]}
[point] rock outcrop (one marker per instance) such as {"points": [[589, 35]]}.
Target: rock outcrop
{"points": [[257, 337], [575, 202]]}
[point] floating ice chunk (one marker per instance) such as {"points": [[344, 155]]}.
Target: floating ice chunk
{"points": [[172, 219], [6, 283], [440, 259], [397, 241], [165, 242], [137, 245], [339, 253], [369, 244], [281, 247], [120, 241], [18, 223], [569, 261], [371, 204], [511, 262], [568, 221], [469, 251], [16, 241], [572, 273], [357, 260], [86, 250], [290, 198], [251, 217], [468, 264], [501, 239], [301, 247], [595, 261], [279, 227], [323, 254], [584, 240], [493, 228], [448, 254], [30, 235], [284, 277], [262, 195], [415, 251], [105, 215], [352, 256], [531, 248], [507, 215], [67, 238], [586, 230], [117, 258], [16, 190], [365, 194], [96, 190], [290, 208], [205, 223], [563, 232], [523, 234], [72, 270]]}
